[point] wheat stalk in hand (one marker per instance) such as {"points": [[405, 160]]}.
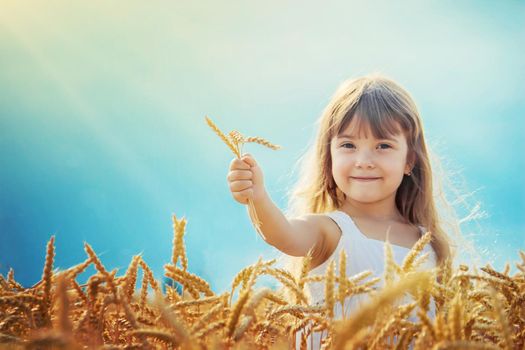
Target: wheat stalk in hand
{"points": [[235, 140]]}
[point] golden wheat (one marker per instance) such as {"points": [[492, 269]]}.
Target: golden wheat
{"points": [[389, 274], [131, 277], [408, 261], [329, 289], [46, 276], [262, 141], [472, 311], [235, 141], [179, 250], [305, 267], [342, 280], [223, 137]]}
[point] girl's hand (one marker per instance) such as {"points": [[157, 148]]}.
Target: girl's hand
{"points": [[246, 179]]}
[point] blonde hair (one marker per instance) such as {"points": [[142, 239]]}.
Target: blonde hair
{"points": [[382, 105]]}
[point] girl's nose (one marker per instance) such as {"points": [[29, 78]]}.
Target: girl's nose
{"points": [[367, 165], [363, 160]]}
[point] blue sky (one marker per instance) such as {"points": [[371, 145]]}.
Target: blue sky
{"points": [[102, 108]]}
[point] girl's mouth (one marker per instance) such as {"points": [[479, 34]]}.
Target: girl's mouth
{"points": [[365, 179]]}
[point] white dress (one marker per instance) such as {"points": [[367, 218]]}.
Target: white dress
{"points": [[362, 253]]}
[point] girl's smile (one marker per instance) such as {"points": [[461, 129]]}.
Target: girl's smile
{"points": [[365, 179]]}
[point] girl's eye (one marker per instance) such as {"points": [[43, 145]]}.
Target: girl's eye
{"points": [[381, 145]]}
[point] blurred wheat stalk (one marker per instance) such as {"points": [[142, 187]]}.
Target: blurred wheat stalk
{"points": [[235, 141]]}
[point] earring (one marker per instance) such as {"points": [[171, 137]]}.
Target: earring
{"points": [[409, 173]]}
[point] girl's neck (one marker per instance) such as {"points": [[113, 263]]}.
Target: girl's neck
{"points": [[383, 211]]}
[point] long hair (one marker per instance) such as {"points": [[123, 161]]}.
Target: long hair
{"points": [[382, 105]]}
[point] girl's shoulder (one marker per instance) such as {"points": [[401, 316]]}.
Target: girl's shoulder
{"points": [[325, 222], [330, 233]]}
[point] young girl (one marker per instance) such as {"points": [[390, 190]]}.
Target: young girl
{"points": [[369, 174]]}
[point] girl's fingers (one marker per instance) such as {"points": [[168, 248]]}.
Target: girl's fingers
{"points": [[244, 178], [239, 175], [247, 158], [238, 186], [238, 164], [243, 196]]}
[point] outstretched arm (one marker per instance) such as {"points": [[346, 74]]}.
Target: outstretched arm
{"points": [[293, 237]]}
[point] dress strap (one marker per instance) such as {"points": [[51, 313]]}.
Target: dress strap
{"points": [[341, 221]]}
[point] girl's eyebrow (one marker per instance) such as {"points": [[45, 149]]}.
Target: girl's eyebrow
{"points": [[352, 137]]}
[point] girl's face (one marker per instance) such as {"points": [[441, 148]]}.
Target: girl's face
{"points": [[366, 169]]}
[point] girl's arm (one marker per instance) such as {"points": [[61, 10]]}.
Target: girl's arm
{"points": [[291, 236]]}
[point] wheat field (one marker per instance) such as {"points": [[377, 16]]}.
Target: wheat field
{"points": [[474, 310]]}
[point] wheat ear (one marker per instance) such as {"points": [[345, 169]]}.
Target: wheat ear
{"points": [[329, 289], [501, 317], [305, 267], [234, 141], [223, 137], [263, 142], [179, 249], [48, 271], [64, 323], [416, 249], [101, 268]]}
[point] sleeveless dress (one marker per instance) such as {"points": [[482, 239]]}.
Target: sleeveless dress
{"points": [[362, 253]]}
